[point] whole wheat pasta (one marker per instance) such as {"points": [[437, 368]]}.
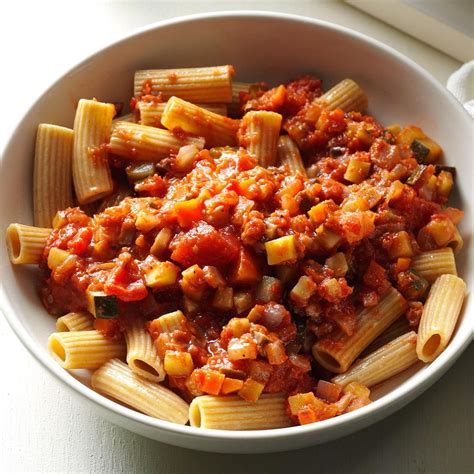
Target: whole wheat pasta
{"points": [[90, 167], [387, 361], [259, 134], [346, 95], [26, 243], [289, 155], [52, 179], [151, 112], [125, 118], [396, 329], [234, 413], [338, 354], [84, 349], [140, 142], [200, 84], [440, 314], [142, 356], [431, 265], [75, 322], [216, 129], [169, 322], [117, 380]]}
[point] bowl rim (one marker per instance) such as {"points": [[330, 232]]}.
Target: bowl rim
{"points": [[385, 405]]}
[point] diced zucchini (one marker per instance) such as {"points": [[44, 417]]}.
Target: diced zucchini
{"points": [[425, 150], [238, 326], [303, 290], [355, 203], [281, 250], [178, 364], [319, 212], [400, 246], [102, 306], [444, 184], [161, 275], [56, 257], [146, 221], [357, 171], [231, 385], [243, 301], [328, 238], [251, 390], [301, 400], [188, 212], [286, 273], [162, 240], [338, 264]]}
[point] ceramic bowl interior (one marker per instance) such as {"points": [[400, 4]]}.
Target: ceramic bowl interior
{"points": [[261, 46]]}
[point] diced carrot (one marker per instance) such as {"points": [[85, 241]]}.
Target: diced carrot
{"points": [[188, 212], [231, 385], [307, 415], [208, 381]]}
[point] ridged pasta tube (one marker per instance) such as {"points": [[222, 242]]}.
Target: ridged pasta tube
{"points": [[140, 142], [440, 314], [234, 413], [338, 353], [289, 155], [75, 322], [151, 112], [26, 243], [117, 380], [200, 84], [90, 166], [142, 356], [387, 361], [259, 135], [52, 179], [84, 349], [216, 129], [433, 264], [346, 95]]}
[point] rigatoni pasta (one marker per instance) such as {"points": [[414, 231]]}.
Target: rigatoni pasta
{"points": [[233, 413], [26, 243], [225, 259], [52, 179], [387, 361], [201, 84], [440, 315], [216, 129], [141, 142], [84, 349], [259, 134], [75, 322], [90, 166], [338, 356], [115, 379]]}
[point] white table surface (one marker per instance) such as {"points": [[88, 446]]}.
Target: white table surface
{"points": [[43, 428]]}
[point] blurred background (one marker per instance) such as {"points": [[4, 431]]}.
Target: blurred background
{"points": [[44, 428]]}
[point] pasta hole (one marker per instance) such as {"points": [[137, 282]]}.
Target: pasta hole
{"points": [[431, 345], [330, 362], [14, 242], [195, 414], [142, 365], [58, 349]]}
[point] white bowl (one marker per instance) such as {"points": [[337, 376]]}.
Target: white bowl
{"points": [[261, 46]]}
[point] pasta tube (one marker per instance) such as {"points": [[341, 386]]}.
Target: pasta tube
{"points": [[52, 179], [387, 361], [259, 134], [289, 155], [125, 118], [115, 379], [90, 167], [168, 323], [75, 322], [84, 349], [346, 95], [26, 243], [142, 356], [439, 317], [399, 327], [338, 353], [200, 84], [234, 413], [433, 264], [151, 112], [140, 142], [237, 89], [216, 129]]}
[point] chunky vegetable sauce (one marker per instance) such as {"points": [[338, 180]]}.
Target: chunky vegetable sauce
{"points": [[262, 262]]}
